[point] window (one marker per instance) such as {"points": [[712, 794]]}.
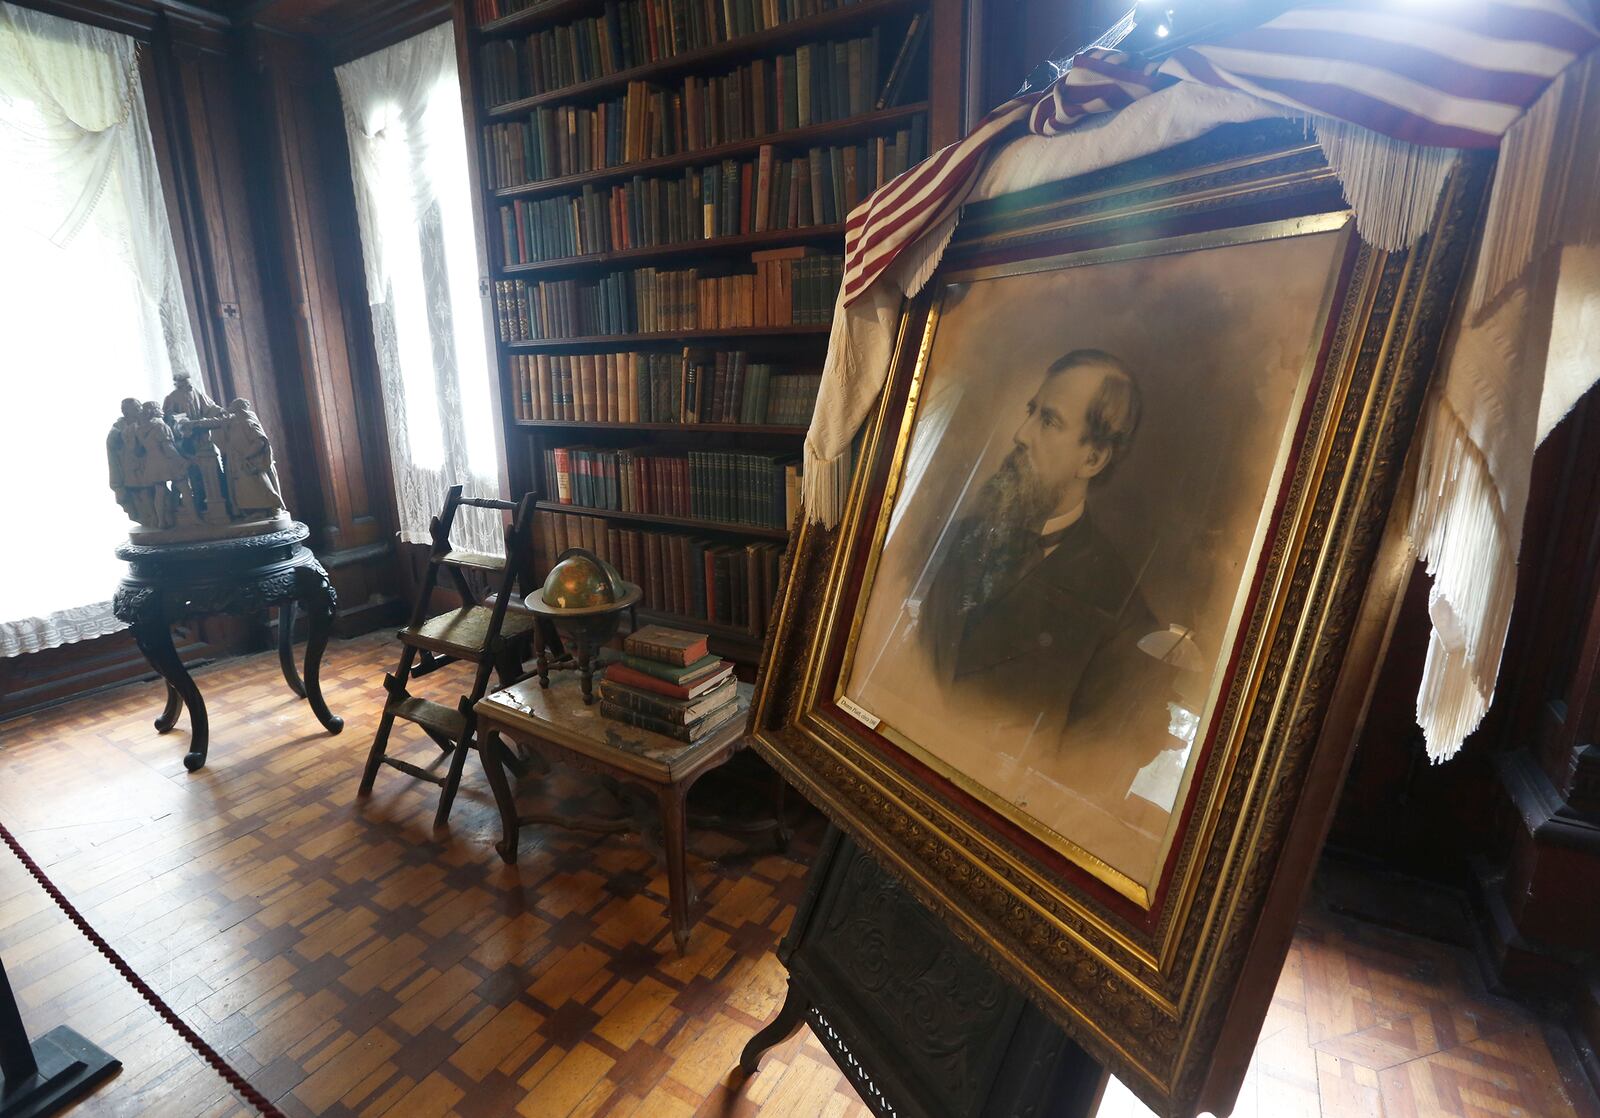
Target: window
{"points": [[91, 311], [409, 161]]}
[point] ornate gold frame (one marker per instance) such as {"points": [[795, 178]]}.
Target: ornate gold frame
{"points": [[1338, 221], [1164, 989]]}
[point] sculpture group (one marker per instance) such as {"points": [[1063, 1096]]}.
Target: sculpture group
{"points": [[191, 466]]}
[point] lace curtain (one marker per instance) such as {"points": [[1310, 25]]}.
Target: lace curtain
{"points": [[91, 311], [408, 155]]}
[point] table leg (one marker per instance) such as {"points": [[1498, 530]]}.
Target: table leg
{"points": [[674, 838], [315, 591], [154, 639], [286, 647], [489, 748], [169, 717], [780, 794]]}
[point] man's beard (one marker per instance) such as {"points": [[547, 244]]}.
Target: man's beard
{"points": [[1003, 537]]}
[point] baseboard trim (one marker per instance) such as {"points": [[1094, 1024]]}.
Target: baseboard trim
{"points": [[1565, 982]]}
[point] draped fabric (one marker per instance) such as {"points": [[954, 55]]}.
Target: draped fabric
{"points": [[1431, 75], [85, 242], [1391, 94], [408, 156], [1525, 349]]}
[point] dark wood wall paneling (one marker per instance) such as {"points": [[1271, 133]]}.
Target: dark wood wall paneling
{"points": [[1006, 40], [1514, 819], [302, 161]]}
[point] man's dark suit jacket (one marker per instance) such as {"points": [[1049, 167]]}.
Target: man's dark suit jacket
{"points": [[1060, 647]]}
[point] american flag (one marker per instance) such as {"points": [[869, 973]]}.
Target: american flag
{"points": [[1440, 73]]}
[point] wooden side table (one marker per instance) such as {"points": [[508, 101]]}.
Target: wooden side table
{"points": [[558, 725], [245, 575]]}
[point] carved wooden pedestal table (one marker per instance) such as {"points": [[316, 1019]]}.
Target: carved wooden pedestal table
{"points": [[557, 724], [236, 576]]}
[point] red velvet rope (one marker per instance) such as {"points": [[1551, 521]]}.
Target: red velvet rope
{"points": [[238, 1082]]}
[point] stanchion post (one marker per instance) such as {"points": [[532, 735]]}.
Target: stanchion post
{"points": [[16, 1053], [43, 1077]]}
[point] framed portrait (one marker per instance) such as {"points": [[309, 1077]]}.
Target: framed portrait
{"points": [[1084, 660]]}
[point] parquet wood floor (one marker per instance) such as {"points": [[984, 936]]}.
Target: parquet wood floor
{"points": [[351, 962]]}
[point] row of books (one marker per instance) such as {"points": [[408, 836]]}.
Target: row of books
{"points": [[667, 681], [730, 584], [790, 287], [773, 12], [772, 191], [816, 84], [724, 387], [630, 33], [747, 488], [720, 387]]}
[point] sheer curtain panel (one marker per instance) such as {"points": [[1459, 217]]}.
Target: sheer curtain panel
{"points": [[91, 311], [408, 155]]}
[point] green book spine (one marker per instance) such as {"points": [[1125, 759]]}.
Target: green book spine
{"points": [[690, 734]]}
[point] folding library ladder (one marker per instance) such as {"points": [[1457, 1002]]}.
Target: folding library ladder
{"points": [[495, 637]]}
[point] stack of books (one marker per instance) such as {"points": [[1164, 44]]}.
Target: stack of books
{"points": [[668, 682]]}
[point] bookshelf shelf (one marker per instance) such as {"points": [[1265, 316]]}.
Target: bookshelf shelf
{"points": [[691, 428], [834, 131], [737, 49], [736, 244], [532, 17], [669, 521], [678, 337], [768, 276], [732, 635]]}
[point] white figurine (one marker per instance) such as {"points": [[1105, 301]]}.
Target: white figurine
{"points": [[188, 469], [247, 457]]}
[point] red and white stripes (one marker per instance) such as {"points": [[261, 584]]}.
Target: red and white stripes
{"points": [[1437, 73]]}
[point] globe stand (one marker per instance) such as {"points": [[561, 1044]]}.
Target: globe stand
{"points": [[582, 660], [43, 1077], [548, 662]]}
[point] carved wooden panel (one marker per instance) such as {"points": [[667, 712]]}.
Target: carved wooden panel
{"points": [[230, 295], [319, 252]]}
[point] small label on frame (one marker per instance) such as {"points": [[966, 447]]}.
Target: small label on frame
{"points": [[860, 713]]}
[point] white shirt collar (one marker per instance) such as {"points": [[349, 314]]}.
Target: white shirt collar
{"points": [[1064, 521]]}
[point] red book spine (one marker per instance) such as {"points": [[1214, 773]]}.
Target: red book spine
{"points": [[563, 479]]}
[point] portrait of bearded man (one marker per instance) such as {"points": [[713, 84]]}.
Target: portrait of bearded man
{"points": [[1031, 601]]}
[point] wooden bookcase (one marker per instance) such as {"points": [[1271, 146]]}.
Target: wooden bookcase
{"points": [[925, 108]]}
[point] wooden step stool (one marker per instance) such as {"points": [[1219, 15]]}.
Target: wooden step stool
{"points": [[496, 637]]}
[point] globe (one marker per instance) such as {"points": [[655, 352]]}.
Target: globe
{"points": [[582, 581], [583, 598]]}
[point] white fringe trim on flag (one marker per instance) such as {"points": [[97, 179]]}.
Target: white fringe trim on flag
{"points": [[824, 476], [919, 261], [1460, 531], [1464, 531], [851, 381], [1392, 186], [823, 485], [1544, 190]]}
